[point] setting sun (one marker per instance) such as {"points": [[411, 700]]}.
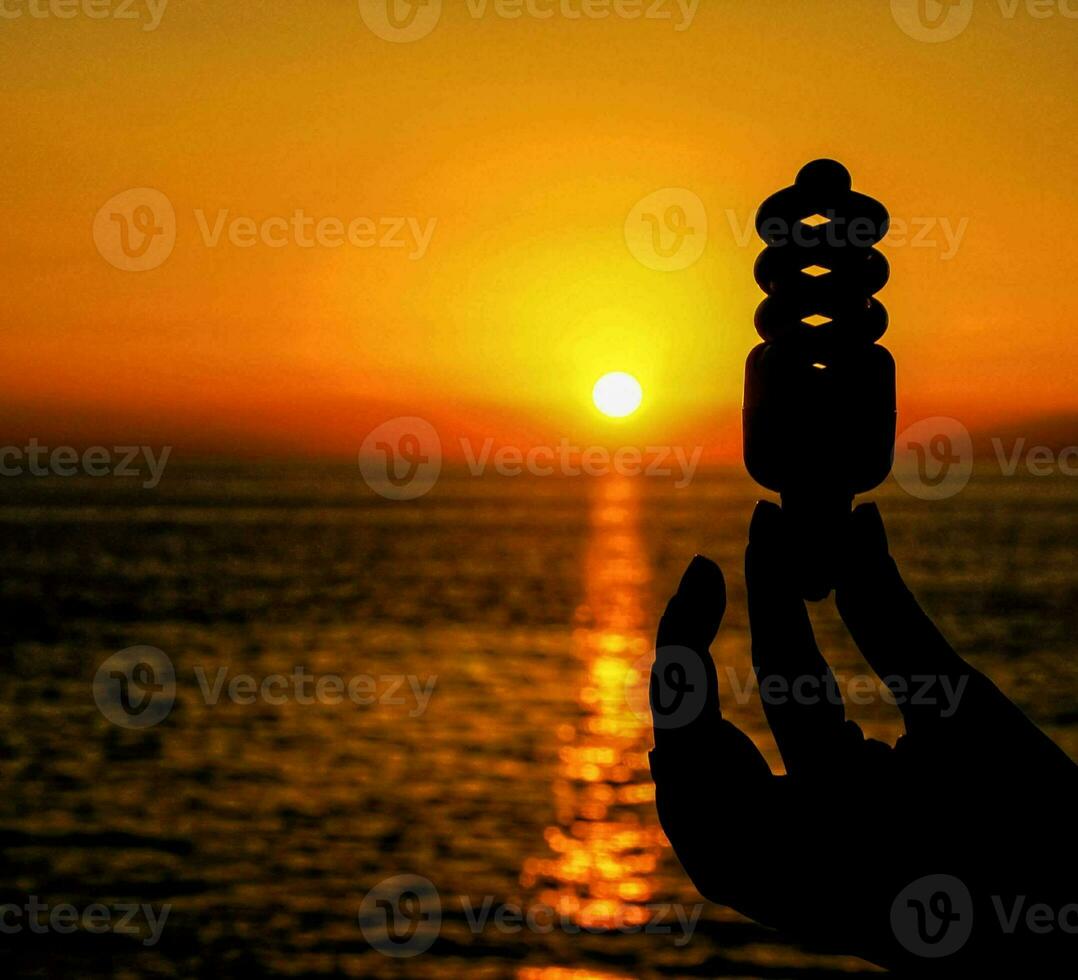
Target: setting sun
{"points": [[617, 394]]}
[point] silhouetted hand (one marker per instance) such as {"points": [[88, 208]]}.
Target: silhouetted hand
{"points": [[827, 852]]}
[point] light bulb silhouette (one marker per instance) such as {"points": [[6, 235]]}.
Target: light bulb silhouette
{"points": [[819, 412]]}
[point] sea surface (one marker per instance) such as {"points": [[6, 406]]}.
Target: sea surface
{"points": [[496, 633]]}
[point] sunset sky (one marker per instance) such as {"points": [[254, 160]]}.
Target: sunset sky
{"points": [[521, 145]]}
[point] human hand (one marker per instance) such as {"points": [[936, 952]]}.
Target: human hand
{"points": [[827, 853]]}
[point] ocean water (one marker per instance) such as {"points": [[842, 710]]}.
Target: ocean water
{"points": [[497, 631]]}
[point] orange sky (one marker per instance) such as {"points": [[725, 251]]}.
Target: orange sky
{"points": [[527, 142]]}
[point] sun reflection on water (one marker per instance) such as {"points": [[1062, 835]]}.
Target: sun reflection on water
{"points": [[602, 853]]}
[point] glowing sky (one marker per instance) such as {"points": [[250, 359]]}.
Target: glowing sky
{"points": [[519, 146]]}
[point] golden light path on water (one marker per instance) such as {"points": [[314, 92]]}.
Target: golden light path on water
{"points": [[601, 855]]}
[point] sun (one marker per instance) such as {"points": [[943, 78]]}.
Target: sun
{"points": [[617, 394]]}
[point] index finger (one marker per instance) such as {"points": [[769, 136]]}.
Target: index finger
{"points": [[929, 681], [798, 690]]}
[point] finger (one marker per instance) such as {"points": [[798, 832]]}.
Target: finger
{"points": [[896, 637], [700, 760], [800, 698], [686, 714], [697, 816], [684, 685]]}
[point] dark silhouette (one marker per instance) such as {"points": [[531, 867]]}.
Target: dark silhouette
{"points": [[974, 809], [819, 418]]}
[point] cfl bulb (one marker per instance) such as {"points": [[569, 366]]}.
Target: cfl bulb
{"points": [[819, 411]]}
